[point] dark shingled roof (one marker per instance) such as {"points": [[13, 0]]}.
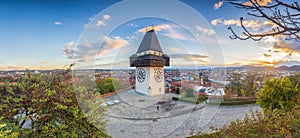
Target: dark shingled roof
{"points": [[149, 42]]}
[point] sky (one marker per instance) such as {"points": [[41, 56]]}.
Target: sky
{"points": [[51, 34]]}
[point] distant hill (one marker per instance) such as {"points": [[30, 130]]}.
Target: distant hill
{"points": [[250, 67], [295, 67], [284, 67]]}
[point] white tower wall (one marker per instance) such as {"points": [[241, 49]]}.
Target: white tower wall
{"points": [[150, 86]]}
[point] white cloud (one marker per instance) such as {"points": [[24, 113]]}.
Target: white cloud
{"points": [[205, 30], [191, 59], [100, 23], [174, 49], [221, 21], [132, 25], [112, 44], [68, 51], [103, 20], [58, 23], [167, 30], [87, 50], [188, 56], [157, 28], [253, 24], [215, 22], [106, 17], [218, 5]]}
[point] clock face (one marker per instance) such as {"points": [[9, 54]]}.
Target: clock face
{"points": [[140, 75], [158, 74]]}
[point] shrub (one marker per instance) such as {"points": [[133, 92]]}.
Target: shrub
{"points": [[189, 92], [201, 98], [177, 91], [279, 93], [274, 124]]}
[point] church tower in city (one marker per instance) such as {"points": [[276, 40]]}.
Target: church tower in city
{"points": [[149, 61]]}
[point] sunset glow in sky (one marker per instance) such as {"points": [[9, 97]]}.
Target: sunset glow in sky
{"points": [[51, 34]]}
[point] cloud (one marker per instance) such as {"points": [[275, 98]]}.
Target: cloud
{"points": [[234, 64], [106, 17], [44, 62], [174, 49], [290, 48], [255, 62], [157, 28], [103, 20], [100, 23], [253, 24], [190, 57], [260, 2], [68, 51], [86, 50], [112, 44], [205, 30], [12, 68], [222, 21], [266, 55], [116, 64], [264, 63], [280, 52], [58, 23], [278, 45], [132, 25], [167, 30], [218, 5]]}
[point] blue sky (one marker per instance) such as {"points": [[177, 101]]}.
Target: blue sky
{"points": [[38, 34]]}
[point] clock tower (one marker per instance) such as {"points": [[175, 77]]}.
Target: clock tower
{"points": [[149, 61]]}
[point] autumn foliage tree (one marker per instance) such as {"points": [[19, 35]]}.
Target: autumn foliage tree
{"points": [[53, 105]]}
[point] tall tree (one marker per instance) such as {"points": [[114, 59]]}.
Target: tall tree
{"points": [[283, 15]]}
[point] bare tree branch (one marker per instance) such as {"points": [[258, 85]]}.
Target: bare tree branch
{"points": [[285, 18]]}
